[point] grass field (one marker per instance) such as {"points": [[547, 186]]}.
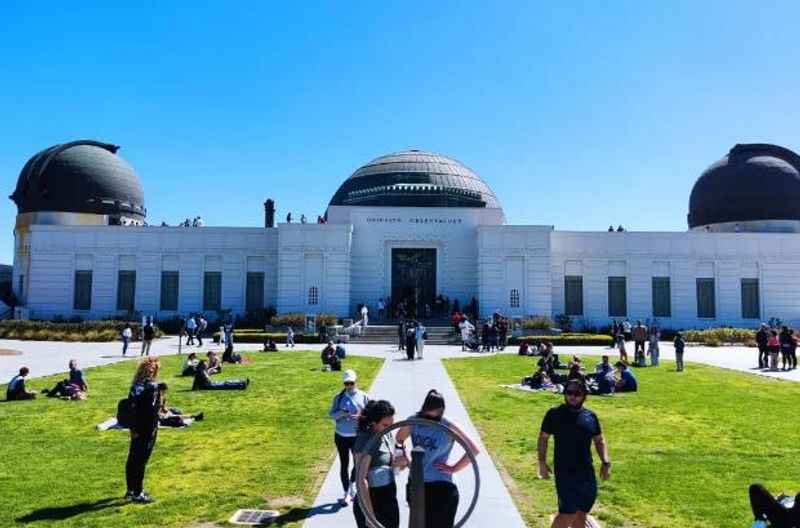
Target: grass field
{"points": [[267, 446], [684, 449]]}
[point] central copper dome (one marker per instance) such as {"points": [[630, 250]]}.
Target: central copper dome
{"points": [[415, 178]]}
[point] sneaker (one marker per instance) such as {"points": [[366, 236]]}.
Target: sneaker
{"points": [[342, 501], [142, 498], [128, 495]]}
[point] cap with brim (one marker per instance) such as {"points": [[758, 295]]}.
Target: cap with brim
{"points": [[349, 376]]}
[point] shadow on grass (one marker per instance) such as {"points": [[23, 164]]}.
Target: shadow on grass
{"points": [[300, 514], [60, 513]]}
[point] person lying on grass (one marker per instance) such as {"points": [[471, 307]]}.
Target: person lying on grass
{"points": [[172, 417], [213, 366], [202, 381], [270, 345], [17, 390], [75, 387]]}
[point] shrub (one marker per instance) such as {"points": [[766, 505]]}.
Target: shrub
{"points": [[564, 322], [565, 340], [256, 318], [537, 322], [88, 331], [298, 320]]}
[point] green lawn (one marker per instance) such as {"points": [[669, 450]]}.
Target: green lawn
{"points": [[269, 445], [684, 449]]}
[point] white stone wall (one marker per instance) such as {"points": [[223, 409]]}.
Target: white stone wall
{"points": [[318, 256], [773, 258], [56, 252], [500, 248]]}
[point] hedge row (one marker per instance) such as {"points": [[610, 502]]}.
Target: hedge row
{"points": [[721, 336], [240, 336], [565, 340], [88, 331]]}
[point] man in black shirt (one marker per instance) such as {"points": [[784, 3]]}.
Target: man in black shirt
{"points": [[574, 428], [762, 336]]}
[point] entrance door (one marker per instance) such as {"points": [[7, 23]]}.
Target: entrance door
{"points": [[413, 279]]}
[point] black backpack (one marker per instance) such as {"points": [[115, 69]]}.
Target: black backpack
{"points": [[125, 412]]}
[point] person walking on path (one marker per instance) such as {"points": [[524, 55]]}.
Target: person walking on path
{"points": [[680, 344], [144, 405], [382, 497], [364, 315], [126, 334], [202, 324], [290, 336], [148, 333], [441, 495], [381, 309], [420, 334], [191, 328], [401, 335], [652, 348], [411, 341], [346, 410], [762, 336], [575, 428]]}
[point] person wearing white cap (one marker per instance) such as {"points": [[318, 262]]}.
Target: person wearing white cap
{"points": [[345, 410]]}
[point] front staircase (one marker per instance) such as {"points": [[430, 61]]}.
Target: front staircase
{"points": [[387, 335]]}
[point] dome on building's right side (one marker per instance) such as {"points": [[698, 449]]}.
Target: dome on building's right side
{"points": [[755, 187]]}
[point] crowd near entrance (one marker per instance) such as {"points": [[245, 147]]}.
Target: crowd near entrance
{"points": [[413, 280]]}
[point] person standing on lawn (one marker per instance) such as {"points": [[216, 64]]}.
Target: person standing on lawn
{"points": [[346, 410], [574, 428], [148, 333], [144, 404], [680, 344], [639, 337], [290, 336]]}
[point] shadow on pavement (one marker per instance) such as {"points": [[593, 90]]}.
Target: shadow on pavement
{"points": [[299, 514], [60, 513]]}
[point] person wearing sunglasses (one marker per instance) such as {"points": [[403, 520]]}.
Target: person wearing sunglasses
{"points": [[441, 495], [575, 428], [346, 409]]}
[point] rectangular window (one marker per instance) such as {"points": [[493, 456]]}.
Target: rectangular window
{"points": [[706, 301], [254, 295], [169, 290], [750, 301], [513, 298], [82, 298], [126, 290], [212, 290], [313, 295], [617, 297], [662, 304], [573, 295]]}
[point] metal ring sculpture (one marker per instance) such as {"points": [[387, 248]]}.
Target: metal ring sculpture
{"points": [[362, 469]]}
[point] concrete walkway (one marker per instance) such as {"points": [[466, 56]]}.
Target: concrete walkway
{"points": [[405, 383]]}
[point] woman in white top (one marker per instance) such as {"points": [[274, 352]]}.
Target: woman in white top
{"points": [[127, 333], [345, 410]]}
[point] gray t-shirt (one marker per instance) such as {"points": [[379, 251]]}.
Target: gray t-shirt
{"points": [[380, 466], [437, 445]]}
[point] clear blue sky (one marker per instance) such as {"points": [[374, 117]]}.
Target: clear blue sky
{"points": [[577, 114]]}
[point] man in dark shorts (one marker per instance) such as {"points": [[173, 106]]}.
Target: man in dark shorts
{"points": [[574, 428]]}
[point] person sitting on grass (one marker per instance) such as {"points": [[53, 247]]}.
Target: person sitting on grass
{"points": [[270, 345], [190, 365], [524, 349], [16, 389], [341, 352], [780, 512], [627, 381], [539, 381], [604, 375], [213, 366], [202, 381], [576, 371], [229, 356], [75, 387], [172, 417], [329, 358]]}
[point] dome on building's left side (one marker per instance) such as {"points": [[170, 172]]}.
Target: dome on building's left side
{"points": [[80, 177]]}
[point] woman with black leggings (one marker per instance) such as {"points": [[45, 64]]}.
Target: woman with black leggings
{"points": [[345, 410], [379, 478], [441, 495]]}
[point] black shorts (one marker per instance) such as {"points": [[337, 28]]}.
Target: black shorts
{"points": [[576, 493]]}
